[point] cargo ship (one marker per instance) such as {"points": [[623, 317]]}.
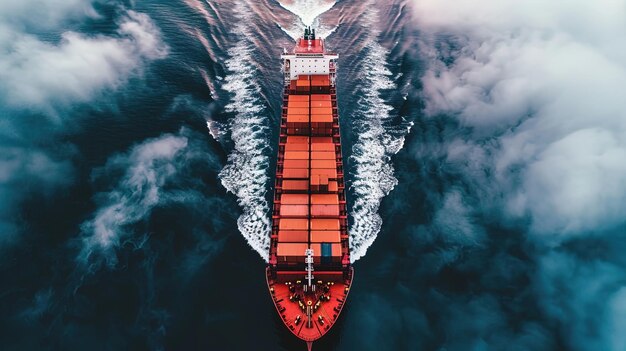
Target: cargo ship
{"points": [[309, 272]]}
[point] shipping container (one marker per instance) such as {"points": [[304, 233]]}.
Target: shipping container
{"points": [[321, 111], [295, 210], [322, 140], [296, 147], [327, 119], [296, 173], [315, 180], [295, 185], [323, 147], [296, 155], [296, 164], [299, 199], [324, 224], [299, 98], [295, 236], [295, 224], [320, 97], [291, 249], [299, 104], [298, 130], [297, 139], [323, 199], [302, 119], [319, 236], [302, 82], [322, 155], [324, 131], [330, 173], [320, 103], [322, 210], [323, 164], [297, 111]]}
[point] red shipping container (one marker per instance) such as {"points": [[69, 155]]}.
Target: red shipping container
{"points": [[297, 139], [320, 97], [323, 140], [336, 250], [295, 224], [295, 185], [298, 111], [323, 118], [297, 130], [321, 210], [323, 199], [300, 104], [296, 164], [298, 98], [321, 103], [321, 111], [291, 249], [294, 236], [323, 147], [322, 155], [296, 210], [295, 199], [296, 155], [323, 180], [324, 224], [296, 173], [329, 173], [293, 119], [330, 164], [326, 236], [296, 147], [303, 82]]}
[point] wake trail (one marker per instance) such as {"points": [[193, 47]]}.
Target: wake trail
{"points": [[245, 173], [377, 139]]}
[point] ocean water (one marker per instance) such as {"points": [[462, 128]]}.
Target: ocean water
{"points": [[137, 156], [158, 241]]}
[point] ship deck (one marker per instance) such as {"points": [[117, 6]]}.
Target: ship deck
{"points": [[326, 303], [309, 219]]}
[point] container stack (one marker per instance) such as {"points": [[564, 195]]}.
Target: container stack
{"points": [[310, 205], [303, 84], [320, 84]]}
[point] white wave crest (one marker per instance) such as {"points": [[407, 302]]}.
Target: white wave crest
{"points": [[307, 10], [308, 13], [376, 141], [245, 174]]}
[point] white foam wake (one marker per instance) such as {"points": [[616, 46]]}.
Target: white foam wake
{"points": [[245, 174], [307, 10], [376, 141]]}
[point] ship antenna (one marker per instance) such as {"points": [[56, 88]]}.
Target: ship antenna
{"points": [[309, 267]]}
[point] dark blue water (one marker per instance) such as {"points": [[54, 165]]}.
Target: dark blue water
{"points": [[136, 178], [139, 247]]}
